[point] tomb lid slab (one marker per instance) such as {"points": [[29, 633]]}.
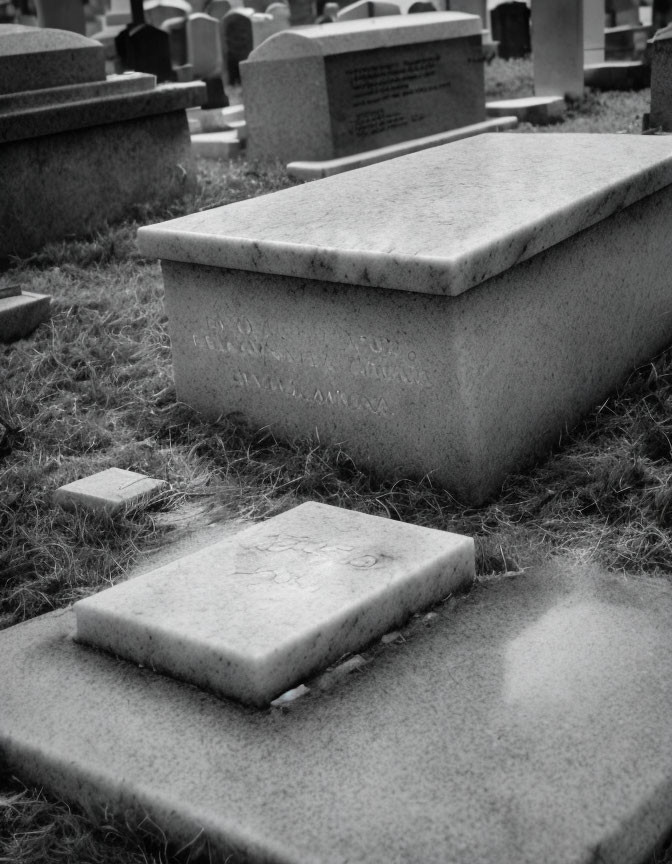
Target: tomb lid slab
{"points": [[439, 221], [256, 614], [35, 58], [344, 37]]}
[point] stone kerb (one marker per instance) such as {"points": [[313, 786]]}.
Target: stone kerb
{"points": [[359, 85], [469, 324]]}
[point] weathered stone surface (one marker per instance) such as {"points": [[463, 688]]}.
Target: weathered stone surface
{"points": [[113, 85], [108, 491], [315, 170], [34, 59], [360, 85], [661, 80], [528, 723], [87, 177], [593, 31], [216, 145], [257, 614], [555, 306], [21, 313], [557, 49]]}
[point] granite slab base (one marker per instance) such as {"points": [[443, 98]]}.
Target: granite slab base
{"points": [[540, 110], [223, 145], [73, 182], [21, 314], [528, 722], [618, 75], [314, 170], [254, 615]]}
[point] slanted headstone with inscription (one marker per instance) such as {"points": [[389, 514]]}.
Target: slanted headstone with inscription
{"points": [[360, 85]]}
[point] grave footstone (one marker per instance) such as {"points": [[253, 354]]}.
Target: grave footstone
{"points": [[557, 48], [443, 318], [143, 47], [527, 722], [109, 491], [21, 312], [359, 85], [511, 29], [257, 614]]}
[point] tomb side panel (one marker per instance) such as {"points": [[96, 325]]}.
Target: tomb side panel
{"points": [[367, 368], [286, 109], [388, 95]]}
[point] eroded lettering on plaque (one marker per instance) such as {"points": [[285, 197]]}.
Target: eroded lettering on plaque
{"points": [[341, 553]]}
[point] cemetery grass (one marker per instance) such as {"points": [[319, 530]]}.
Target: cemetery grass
{"points": [[92, 389]]}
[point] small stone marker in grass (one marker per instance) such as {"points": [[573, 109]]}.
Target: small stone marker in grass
{"points": [[109, 491], [256, 614], [363, 84], [21, 312]]}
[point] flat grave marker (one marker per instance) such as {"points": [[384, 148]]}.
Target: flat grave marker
{"points": [[258, 613], [109, 490]]}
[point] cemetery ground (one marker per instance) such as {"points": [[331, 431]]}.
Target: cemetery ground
{"points": [[93, 389]]}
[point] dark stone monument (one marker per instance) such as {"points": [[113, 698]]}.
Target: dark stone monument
{"points": [[662, 13], [144, 48], [421, 6], [660, 116], [237, 36], [511, 28]]}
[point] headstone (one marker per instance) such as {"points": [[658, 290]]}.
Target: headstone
{"points": [[264, 25], [109, 491], [367, 9], [238, 40], [258, 613], [511, 28], [158, 11], [33, 59], [119, 14], [557, 48], [593, 31], [176, 28], [204, 45], [143, 47], [622, 12], [421, 6], [660, 116], [61, 15], [302, 12], [434, 314], [359, 85], [218, 8], [472, 7]]}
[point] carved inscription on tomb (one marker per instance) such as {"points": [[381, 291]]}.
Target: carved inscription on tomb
{"points": [[341, 552], [265, 356], [387, 95]]}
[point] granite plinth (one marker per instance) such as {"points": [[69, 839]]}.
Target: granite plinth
{"points": [[54, 186], [539, 110], [21, 313], [315, 170], [360, 85], [618, 75], [48, 120], [109, 491], [128, 82], [223, 145], [256, 614], [472, 318], [528, 723], [32, 58]]}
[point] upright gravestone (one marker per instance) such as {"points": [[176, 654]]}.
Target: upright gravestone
{"points": [[266, 24], [661, 14], [360, 85], [237, 40], [61, 15], [557, 48], [144, 48], [593, 31], [204, 45], [302, 12], [660, 116], [367, 9], [621, 13], [511, 28], [158, 11]]}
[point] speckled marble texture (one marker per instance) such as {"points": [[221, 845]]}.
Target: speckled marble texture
{"points": [[439, 221], [528, 723], [32, 58], [256, 614], [108, 490]]}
